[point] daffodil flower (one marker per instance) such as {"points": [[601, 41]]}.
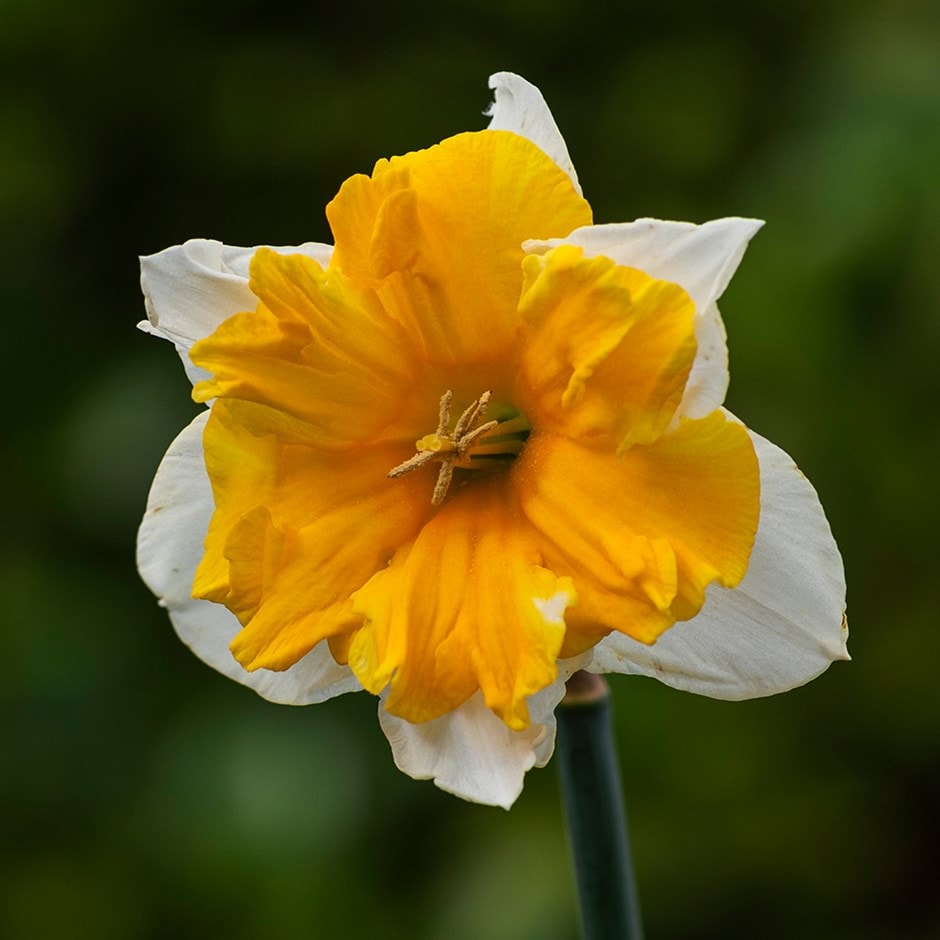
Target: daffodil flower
{"points": [[475, 446]]}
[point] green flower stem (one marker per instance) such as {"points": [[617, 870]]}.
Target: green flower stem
{"points": [[596, 821]]}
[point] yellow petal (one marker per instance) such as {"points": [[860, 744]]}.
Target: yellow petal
{"points": [[439, 234], [469, 605], [319, 349], [607, 349], [644, 534], [296, 531]]}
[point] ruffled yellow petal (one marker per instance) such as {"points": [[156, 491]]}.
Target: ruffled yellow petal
{"points": [[320, 349], [296, 531], [607, 349], [644, 534], [439, 235], [469, 605]]}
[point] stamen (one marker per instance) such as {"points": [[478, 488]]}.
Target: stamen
{"points": [[471, 439], [444, 412], [470, 415]]}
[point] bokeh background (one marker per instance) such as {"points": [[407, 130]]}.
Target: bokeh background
{"points": [[141, 794]]}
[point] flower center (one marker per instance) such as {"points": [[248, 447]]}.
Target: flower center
{"points": [[472, 444]]}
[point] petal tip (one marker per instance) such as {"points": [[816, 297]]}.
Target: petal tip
{"points": [[518, 106]]}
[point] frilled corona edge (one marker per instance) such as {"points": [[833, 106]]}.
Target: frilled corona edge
{"points": [[473, 447]]}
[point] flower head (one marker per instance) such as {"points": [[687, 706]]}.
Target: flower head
{"points": [[475, 446]]}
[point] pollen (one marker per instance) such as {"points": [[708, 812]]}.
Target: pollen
{"points": [[474, 443]]}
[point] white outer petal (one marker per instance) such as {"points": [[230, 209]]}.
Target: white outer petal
{"points": [[471, 753], [190, 289], [780, 628], [170, 546], [699, 258], [519, 107]]}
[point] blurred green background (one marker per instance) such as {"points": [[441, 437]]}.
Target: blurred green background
{"points": [[145, 796]]}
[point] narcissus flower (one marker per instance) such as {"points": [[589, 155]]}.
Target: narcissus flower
{"points": [[475, 446]]}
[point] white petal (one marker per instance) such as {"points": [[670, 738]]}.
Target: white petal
{"points": [[237, 260], [542, 705], [191, 288], [782, 626], [702, 260], [169, 547], [471, 753], [519, 107]]}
